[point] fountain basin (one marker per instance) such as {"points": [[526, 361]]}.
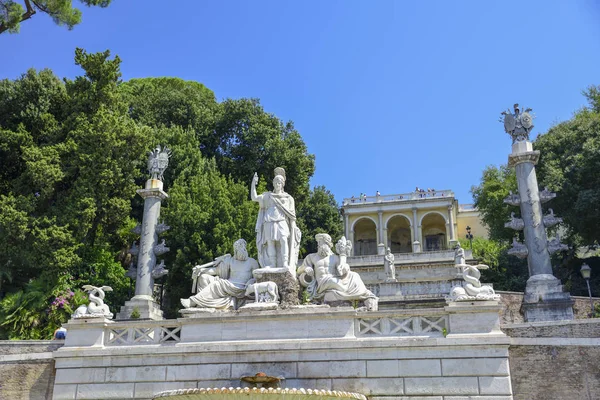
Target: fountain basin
{"points": [[256, 394]]}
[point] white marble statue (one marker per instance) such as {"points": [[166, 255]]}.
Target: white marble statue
{"points": [[459, 255], [277, 236], [390, 268], [330, 276], [473, 289], [96, 308], [220, 282], [266, 292]]}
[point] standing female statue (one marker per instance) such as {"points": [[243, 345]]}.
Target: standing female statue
{"points": [[277, 236]]}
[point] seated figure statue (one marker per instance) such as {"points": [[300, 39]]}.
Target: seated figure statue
{"points": [[220, 282], [329, 276], [472, 289]]}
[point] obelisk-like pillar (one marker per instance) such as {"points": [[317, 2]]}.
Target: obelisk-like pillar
{"points": [[142, 305], [524, 159], [153, 195], [544, 298]]}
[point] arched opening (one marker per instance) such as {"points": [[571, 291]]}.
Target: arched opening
{"points": [[365, 238], [434, 232], [399, 239]]}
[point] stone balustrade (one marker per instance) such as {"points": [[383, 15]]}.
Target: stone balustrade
{"points": [[397, 197]]}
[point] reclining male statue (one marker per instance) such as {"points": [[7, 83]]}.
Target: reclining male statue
{"points": [[221, 282], [330, 276]]}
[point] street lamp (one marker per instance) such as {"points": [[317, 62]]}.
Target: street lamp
{"points": [[586, 272], [469, 236]]}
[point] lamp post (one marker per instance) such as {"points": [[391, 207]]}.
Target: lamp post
{"points": [[586, 272], [469, 236]]}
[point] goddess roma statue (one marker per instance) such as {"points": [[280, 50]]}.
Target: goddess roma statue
{"points": [[277, 236]]}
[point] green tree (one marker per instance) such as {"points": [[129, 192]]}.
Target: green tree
{"points": [[569, 162], [207, 212], [76, 155], [319, 214], [171, 102], [488, 197], [238, 133], [506, 272], [62, 12], [73, 153], [568, 165], [253, 140]]}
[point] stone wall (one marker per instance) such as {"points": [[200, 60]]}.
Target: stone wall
{"points": [[511, 307], [27, 369], [431, 354], [555, 360]]}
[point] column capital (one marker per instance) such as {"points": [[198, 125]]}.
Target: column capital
{"points": [[155, 192], [526, 157]]}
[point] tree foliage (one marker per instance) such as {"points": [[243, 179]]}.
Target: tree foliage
{"points": [[319, 214], [73, 153], [70, 157], [506, 272], [62, 12], [496, 184], [568, 165]]}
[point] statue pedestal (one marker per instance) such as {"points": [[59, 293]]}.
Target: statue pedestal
{"points": [[259, 306], [474, 317], [86, 331], [545, 300], [287, 284], [147, 308], [194, 312]]}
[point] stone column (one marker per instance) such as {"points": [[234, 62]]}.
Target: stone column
{"points": [[380, 226], [153, 195], [143, 300], [386, 243], [351, 238], [544, 298], [346, 229], [451, 223], [147, 269], [524, 159], [417, 232]]}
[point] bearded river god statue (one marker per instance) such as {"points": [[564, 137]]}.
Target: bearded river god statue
{"points": [[277, 236], [222, 283], [329, 277]]}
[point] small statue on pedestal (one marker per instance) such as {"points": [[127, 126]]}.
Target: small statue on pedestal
{"points": [[473, 289], [390, 269], [96, 308]]}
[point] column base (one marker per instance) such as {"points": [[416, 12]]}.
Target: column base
{"points": [[545, 300], [148, 309]]}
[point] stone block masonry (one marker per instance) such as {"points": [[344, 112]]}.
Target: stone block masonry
{"points": [[555, 360], [27, 369], [385, 355]]}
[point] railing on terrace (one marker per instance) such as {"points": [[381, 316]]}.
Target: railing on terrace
{"points": [[466, 207], [141, 334], [402, 326], [386, 323], [397, 197]]}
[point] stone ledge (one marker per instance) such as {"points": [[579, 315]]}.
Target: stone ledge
{"points": [[388, 343]]}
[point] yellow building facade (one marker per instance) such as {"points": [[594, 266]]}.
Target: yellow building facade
{"points": [[408, 223]]}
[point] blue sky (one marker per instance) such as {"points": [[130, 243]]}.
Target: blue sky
{"points": [[388, 95]]}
